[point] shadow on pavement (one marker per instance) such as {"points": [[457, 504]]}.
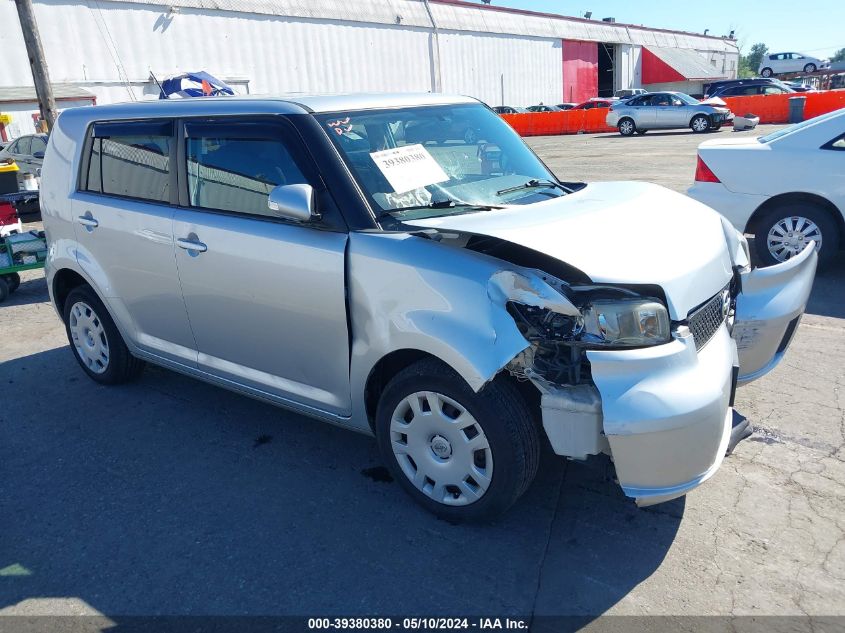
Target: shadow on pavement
{"points": [[828, 296], [169, 496]]}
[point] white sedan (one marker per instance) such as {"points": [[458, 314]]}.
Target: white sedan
{"points": [[786, 188]]}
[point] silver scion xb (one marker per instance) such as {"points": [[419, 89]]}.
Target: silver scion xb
{"points": [[359, 260], [665, 110]]}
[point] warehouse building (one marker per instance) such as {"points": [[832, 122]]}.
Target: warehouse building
{"points": [[112, 50]]}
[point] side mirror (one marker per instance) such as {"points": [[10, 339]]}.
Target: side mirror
{"points": [[293, 202], [38, 155]]}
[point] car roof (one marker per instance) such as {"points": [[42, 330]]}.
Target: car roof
{"points": [[260, 104]]}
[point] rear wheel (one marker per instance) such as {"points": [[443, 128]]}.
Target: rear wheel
{"points": [[462, 455], [810, 68], [785, 229], [627, 127], [13, 280], [700, 124], [95, 341], [4, 290], [766, 72]]}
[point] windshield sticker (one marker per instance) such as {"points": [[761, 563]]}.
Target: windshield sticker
{"points": [[412, 198], [409, 167]]}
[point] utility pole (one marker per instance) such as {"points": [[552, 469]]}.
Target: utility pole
{"points": [[38, 63]]}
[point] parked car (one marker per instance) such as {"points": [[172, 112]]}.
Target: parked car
{"points": [[595, 102], [565, 106], [779, 63], [457, 309], [665, 110], [713, 87], [28, 152], [798, 86], [543, 108], [451, 128], [627, 93], [508, 110], [786, 188], [752, 87]]}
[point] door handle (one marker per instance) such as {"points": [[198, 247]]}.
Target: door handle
{"points": [[87, 220], [191, 245]]}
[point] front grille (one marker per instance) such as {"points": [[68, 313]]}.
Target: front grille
{"points": [[705, 320]]}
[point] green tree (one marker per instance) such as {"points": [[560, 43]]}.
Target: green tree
{"points": [[748, 64], [838, 56]]}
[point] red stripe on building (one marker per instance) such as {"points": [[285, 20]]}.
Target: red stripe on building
{"points": [[656, 71], [580, 70]]}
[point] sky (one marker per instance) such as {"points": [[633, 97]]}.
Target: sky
{"points": [[815, 29]]}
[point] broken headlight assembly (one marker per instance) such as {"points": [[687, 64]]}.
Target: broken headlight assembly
{"points": [[625, 323], [609, 318]]}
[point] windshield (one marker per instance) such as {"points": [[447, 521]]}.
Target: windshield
{"points": [[768, 138], [687, 99], [438, 160]]}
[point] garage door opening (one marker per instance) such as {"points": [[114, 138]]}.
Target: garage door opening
{"points": [[607, 53]]}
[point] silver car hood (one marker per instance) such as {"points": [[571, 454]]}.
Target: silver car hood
{"points": [[618, 232]]}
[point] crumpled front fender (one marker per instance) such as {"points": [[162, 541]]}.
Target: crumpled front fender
{"points": [[411, 293]]}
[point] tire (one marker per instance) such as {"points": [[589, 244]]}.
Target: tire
{"points": [[4, 290], [497, 419], [470, 136], [766, 72], [641, 132], [810, 68], [769, 225], [626, 126], [13, 280], [101, 352], [699, 124]]}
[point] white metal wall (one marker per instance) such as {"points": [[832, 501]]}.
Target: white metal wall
{"points": [[502, 70], [21, 114], [282, 46]]}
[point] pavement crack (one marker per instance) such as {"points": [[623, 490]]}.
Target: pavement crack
{"points": [[547, 544]]}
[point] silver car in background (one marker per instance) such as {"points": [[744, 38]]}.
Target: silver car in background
{"points": [[665, 111]]}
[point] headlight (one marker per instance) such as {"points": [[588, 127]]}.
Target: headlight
{"points": [[625, 323]]}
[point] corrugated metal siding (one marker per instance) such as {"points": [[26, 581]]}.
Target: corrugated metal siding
{"points": [[480, 64]]}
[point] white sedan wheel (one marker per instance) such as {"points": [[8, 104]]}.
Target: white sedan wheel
{"points": [[700, 124], [441, 448], [790, 235]]}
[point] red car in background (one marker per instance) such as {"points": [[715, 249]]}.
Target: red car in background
{"points": [[594, 103]]}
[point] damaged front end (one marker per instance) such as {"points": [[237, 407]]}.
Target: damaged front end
{"points": [[561, 322]]}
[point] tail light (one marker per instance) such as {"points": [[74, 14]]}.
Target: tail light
{"points": [[703, 173]]}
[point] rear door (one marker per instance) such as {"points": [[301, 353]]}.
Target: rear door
{"points": [[124, 230], [266, 297], [642, 112]]}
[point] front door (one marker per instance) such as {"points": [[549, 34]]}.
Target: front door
{"points": [[266, 297], [124, 229]]}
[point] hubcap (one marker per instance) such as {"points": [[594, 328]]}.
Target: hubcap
{"points": [[789, 236], [699, 125], [626, 127], [441, 448], [89, 337]]}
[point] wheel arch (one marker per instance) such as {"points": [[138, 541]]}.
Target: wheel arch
{"points": [[796, 196], [384, 370], [64, 281]]}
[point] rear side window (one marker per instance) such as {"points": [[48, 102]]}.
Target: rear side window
{"points": [[131, 160], [23, 145], [237, 174]]}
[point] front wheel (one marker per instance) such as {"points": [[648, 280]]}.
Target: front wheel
{"points": [[700, 124], [810, 68], [13, 280], [766, 72], [784, 231], [95, 341], [627, 127], [462, 455]]}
